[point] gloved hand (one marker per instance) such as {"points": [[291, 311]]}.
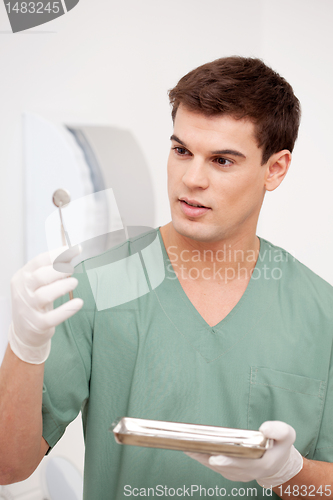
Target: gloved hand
{"points": [[278, 465], [33, 289]]}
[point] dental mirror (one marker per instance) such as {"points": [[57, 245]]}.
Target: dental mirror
{"points": [[61, 198]]}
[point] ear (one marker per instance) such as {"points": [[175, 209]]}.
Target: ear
{"points": [[276, 169]]}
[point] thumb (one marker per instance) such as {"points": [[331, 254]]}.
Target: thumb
{"points": [[279, 431]]}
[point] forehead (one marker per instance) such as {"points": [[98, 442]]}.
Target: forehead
{"points": [[215, 132]]}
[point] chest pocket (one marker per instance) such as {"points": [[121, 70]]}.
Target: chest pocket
{"points": [[290, 398]]}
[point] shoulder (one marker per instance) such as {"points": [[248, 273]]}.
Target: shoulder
{"points": [[297, 277]]}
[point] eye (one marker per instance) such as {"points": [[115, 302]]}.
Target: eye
{"points": [[224, 162], [181, 151]]}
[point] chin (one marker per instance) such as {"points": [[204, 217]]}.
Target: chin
{"points": [[196, 231]]}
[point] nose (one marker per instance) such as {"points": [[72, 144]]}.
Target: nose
{"points": [[196, 175]]}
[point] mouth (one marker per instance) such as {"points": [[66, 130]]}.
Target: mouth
{"points": [[192, 203], [192, 208]]}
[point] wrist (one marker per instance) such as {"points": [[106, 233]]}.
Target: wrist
{"points": [[28, 354], [291, 467]]}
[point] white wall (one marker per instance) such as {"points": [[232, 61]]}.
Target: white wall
{"points": [[109, 62], [298, 41]]}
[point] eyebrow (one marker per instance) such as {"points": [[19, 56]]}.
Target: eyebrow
{"points": [[218, 152]]}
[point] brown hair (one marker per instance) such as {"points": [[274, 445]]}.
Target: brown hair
{"points": [[243, 87]]}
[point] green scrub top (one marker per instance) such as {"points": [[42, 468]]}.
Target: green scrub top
{"points": [[139, 348]]}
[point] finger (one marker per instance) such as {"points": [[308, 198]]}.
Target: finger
{"points": [[47, 294], [44, 276], [65, 259], [221, 460], [62, 267], [203, 458], [47, 258], [241, 463], [196, 455], [69, 253], [63, 312], [279, 431], [41, 260]]}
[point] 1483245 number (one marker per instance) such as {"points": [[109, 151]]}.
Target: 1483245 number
{"points": [[33, 7]]}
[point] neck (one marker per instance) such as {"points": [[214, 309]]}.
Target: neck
{"points": [[227, 260]]}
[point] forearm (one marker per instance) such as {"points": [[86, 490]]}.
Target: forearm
{"points": [[314, 481], [21, 386]]}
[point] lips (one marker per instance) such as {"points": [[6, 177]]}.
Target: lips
{"points": [[193, 203], [192, 211]]}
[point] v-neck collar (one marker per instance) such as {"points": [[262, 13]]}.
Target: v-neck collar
{"points": [[214, 342]]}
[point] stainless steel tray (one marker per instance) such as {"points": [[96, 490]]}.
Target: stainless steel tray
{"points": [[190, 437]]}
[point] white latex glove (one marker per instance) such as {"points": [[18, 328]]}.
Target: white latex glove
{"points": [[33, 289], [278, 465]]}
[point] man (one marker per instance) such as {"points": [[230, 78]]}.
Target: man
{"points": [[200, 321]]}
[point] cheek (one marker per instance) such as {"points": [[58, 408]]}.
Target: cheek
{"points": [[171, 181], [252, 195], [170, 168], [241, 192], [174, 174]]}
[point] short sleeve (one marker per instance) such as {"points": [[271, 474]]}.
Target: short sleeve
{"points": [[324, 446], [67, 370]]}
